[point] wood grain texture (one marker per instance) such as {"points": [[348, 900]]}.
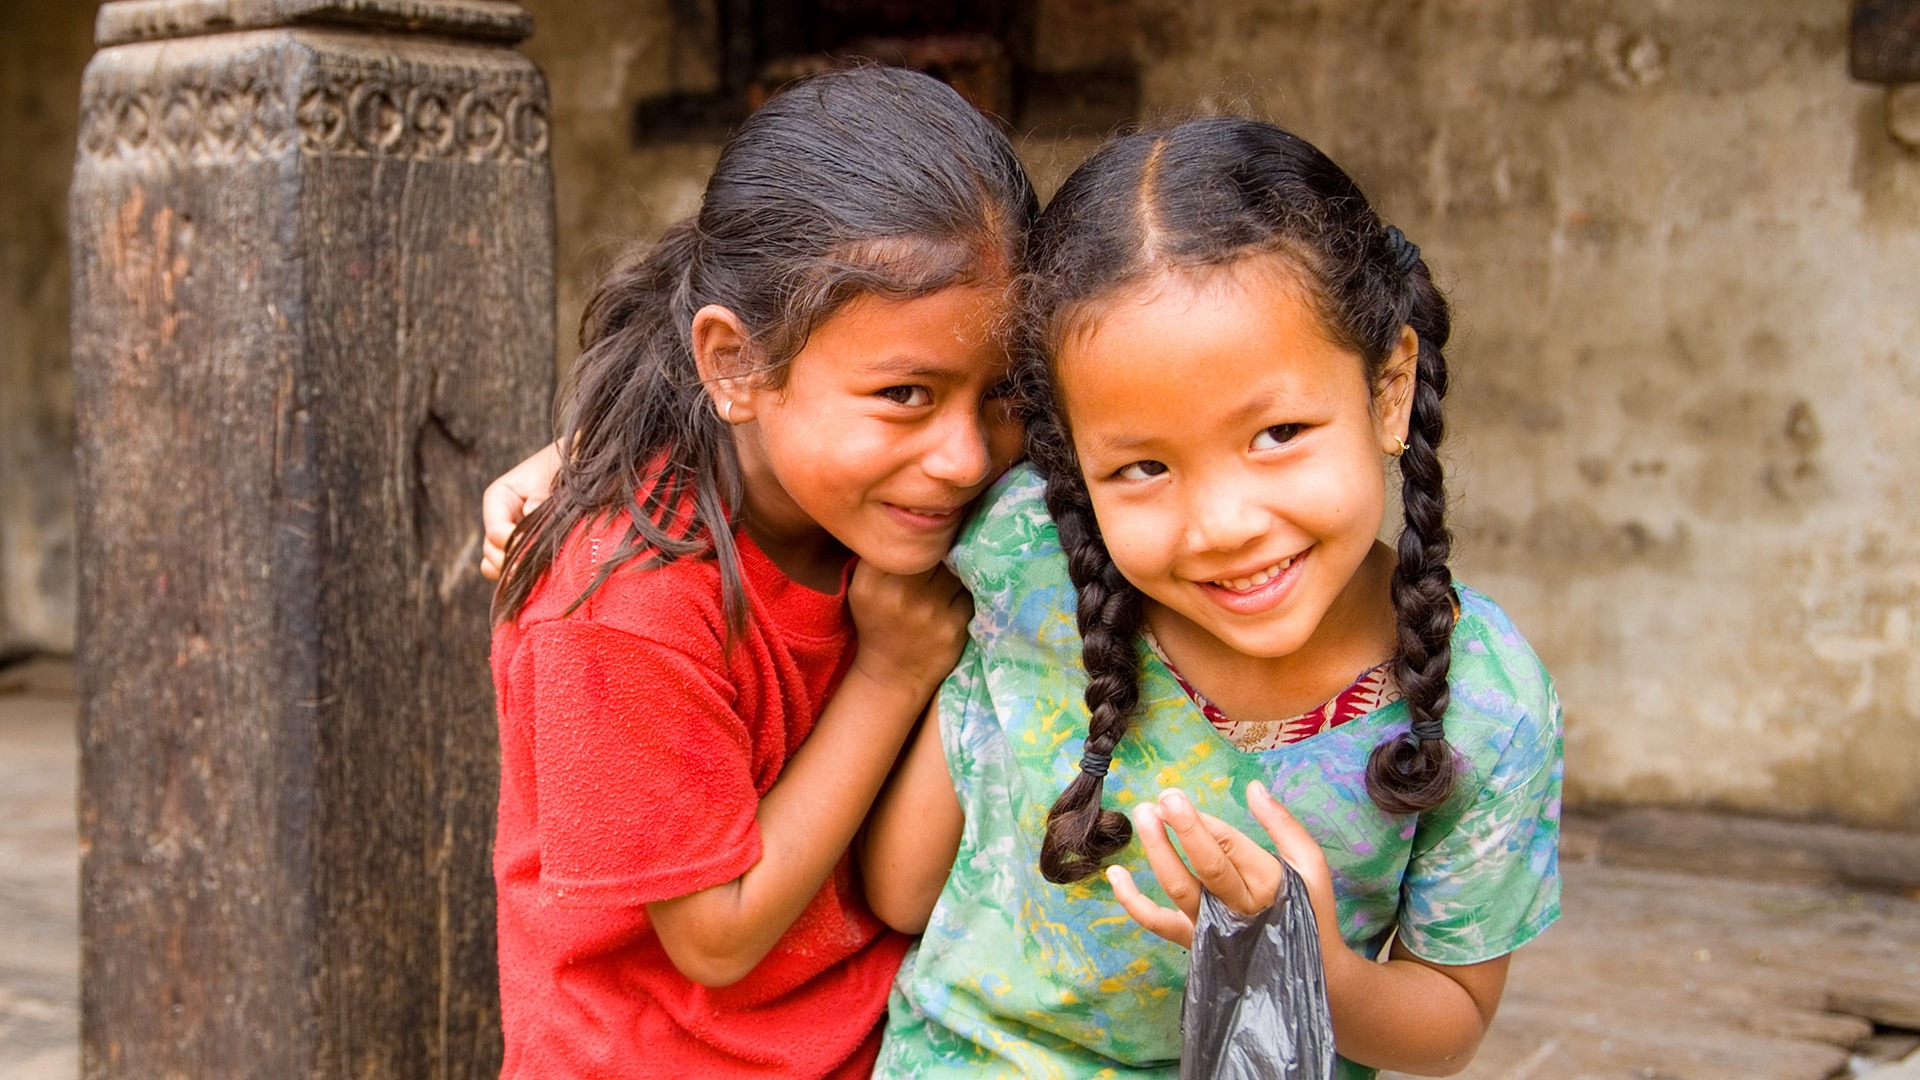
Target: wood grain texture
{"points": [[124, 21], [297, 363]]}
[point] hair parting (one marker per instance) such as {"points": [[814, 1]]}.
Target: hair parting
{"points": [[1202, 194]]}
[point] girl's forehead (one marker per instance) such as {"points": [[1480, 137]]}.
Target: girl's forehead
{"points": [[1201, 352], [953, 330], [1254, 289]]}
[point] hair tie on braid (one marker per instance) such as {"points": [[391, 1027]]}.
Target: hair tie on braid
{"points": [[1428, 729], [1406, 253], [1095, 763]]}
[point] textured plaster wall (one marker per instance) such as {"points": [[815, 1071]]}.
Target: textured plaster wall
{"points": [[43, 46]]}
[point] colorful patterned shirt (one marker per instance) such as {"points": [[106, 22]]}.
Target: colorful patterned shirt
{"points": [[1017, 976]]}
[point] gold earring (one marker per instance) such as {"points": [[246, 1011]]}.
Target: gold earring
{"points": [[1399, 446]]}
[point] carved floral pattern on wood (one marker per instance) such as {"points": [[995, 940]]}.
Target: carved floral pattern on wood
{"points": [[350, 114]]}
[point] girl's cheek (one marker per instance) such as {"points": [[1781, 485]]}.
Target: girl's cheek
{"points": [[1004, 444], [1133, 539]]}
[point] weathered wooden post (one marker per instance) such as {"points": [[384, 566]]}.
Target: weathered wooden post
{"points": [[313, 313]]}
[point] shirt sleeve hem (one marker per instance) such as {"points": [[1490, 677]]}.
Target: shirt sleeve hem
{"points": [[649, 888], [1491, 951]]}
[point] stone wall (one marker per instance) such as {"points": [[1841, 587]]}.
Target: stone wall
{"points": [[1682, 249]]}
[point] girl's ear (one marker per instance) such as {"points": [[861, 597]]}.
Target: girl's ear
{"points": [[722, 353], [1393, 397]]}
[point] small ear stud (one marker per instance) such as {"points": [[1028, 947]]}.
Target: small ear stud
{"points": [[726, 410]]}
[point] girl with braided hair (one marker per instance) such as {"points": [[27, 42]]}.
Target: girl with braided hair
{"points": [[1181, 609], [1230, 352]]}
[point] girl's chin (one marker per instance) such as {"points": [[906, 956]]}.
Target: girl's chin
{"points": [[1270, 642], [902, 563]]}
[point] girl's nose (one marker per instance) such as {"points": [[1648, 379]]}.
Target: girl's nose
{"points": [[960, 455], [1223, 517]]}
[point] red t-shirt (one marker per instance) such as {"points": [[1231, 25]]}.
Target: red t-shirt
{"points": [[634, 749]]}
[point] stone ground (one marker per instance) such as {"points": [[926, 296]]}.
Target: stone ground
{"points": [[39, 876], [1652, 974]]}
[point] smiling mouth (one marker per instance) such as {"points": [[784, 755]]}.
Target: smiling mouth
{"points": [[928, 514], [1259, 578]]}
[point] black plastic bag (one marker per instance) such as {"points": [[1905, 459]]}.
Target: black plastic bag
{"points": [[1256, 1004]]}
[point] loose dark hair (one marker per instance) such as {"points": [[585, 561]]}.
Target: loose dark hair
{"points": [[1204, 194], [867, 181]]}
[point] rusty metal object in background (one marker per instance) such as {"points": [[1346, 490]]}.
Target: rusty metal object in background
{"points": [[313, 315], [1885, 44]]}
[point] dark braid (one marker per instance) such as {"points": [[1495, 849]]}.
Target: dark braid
{"points": [[1203, 194], [1080, 834], [1415, 772]]}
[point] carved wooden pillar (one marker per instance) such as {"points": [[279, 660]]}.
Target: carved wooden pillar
{"points": [[313, 314]]}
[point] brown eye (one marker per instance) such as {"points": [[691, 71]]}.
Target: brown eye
{"points": [[1277, 435], [1140, 470], [913, 396]]}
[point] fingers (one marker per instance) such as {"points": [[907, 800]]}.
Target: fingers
{"points": [[1302, 852], [1210, 863], [510, 498], [1173, 925], [912, 626], [1257, 869], [1290, 837], [1168, 868], [1224, 861], [1244, 875], [500, 512]]}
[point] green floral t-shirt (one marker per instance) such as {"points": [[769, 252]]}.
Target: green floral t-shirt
{"points": [[1017, 976]]}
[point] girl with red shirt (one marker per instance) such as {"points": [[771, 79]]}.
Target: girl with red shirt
{"points": [[714, 636]]}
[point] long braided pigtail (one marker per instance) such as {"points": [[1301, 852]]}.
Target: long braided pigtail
{"points": [[1080, 834], [1415, 771]]}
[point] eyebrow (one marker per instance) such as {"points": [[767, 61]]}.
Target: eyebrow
{"points": [[1115, 444], [1268, 402], [911, 367], [1247, 412]]}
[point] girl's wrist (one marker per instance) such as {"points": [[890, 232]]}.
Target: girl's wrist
{"points": [[900, 686]]}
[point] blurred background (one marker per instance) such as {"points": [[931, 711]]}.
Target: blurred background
{"points": [[1682, 241]]}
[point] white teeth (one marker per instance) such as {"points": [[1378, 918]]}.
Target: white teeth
{"points": [[1257, 580]]}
